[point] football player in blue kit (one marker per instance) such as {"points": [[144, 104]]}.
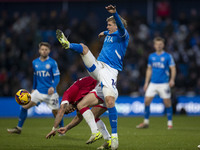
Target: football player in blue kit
{"points": [[159, 81], [45, 80], [104, 69]]}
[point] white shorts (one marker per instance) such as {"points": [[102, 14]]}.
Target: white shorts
{"points": [[99, 95], [102, 72], [163, 90], [51, 100]]}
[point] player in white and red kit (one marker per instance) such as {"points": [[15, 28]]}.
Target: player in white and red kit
{"points": [[74, 95], [78, 90]]}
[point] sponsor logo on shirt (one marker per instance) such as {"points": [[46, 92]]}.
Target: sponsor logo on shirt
{"points": [[109, 39], [158, 65], [43, 73]]}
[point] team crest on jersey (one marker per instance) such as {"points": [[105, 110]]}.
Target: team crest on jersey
{"points": [[153, 58], [36, 66], [162, 59], [47, 66]]}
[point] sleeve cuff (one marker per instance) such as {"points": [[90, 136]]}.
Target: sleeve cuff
{"points": [[54, 129], [106, 32], [64, 102]]}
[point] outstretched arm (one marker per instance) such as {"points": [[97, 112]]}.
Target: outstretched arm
{"points": [[77, 119], [63, 108], [104, 33], [112, 9], [60, 115]]}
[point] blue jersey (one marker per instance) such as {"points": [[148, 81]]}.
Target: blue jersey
{"points": [[114, 46], [160, 67], [46, 75]]}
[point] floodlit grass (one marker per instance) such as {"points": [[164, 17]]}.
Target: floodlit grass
{"points": [[184, 136]]}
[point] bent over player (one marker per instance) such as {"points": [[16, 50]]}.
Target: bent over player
{"points": [[45, 80], [105, 68], [160, 63], [71, 97]]}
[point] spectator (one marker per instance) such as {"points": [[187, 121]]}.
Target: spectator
{"points": [[20, 32]]}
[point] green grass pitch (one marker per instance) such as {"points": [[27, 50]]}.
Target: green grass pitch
{"points": [[184, 136]]}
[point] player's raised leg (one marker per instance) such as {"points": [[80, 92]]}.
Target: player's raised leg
{"points": [[82, 49], [62, 39], [66, 44], [22, 118], [90, 62]]}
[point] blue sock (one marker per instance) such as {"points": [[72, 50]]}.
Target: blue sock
{"points": [[22, 117], [169, 113], [61, 124], [146, 112], [113, 119], [76, 47]]}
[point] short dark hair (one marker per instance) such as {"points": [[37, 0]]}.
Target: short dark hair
{"points": [[158, 39], [44, 44]]}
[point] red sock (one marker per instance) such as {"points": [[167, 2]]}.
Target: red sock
{"points": [[83, 110], [97, 119]]}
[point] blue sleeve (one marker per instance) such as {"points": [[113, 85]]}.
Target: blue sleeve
{"points": [[56, 81], [55, 69], [171, 61], [56, 74], [106, 32], [149, 61], [120, 26], [34, 78]]}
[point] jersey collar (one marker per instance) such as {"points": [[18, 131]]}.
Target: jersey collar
{"points": [[160, 53], [45, 60]]}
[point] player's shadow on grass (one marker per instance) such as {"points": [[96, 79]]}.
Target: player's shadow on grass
{"points": [[67, 146], [72, 138], [69, 143]]}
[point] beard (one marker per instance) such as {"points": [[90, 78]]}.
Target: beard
{"points": [[44, 56]]}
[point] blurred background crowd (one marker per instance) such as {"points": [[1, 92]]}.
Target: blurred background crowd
{"points": [[21, 30]]}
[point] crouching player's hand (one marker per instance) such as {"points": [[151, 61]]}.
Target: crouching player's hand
{"points": [[62, 130], [52, 133]]}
